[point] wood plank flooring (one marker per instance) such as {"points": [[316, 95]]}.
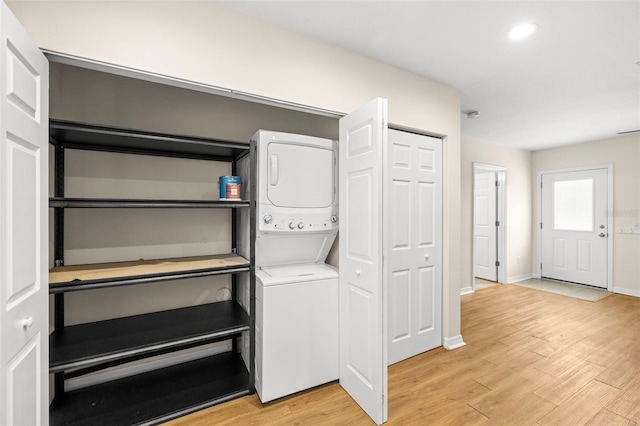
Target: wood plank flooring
{"points": [[532, 358]]}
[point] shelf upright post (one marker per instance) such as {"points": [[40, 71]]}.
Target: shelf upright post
{"points": [[234, 249], [253, 170], [58, 252]]}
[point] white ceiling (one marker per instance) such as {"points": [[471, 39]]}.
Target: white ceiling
{"points": [[575, 80]]}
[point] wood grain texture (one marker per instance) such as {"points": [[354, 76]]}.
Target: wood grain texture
{"points": [[531, 358], [62, 274]]}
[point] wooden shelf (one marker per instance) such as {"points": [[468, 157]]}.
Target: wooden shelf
{"points": [[121, 338], [83, 277], [156, 396], [69, 134], [115, 203]]}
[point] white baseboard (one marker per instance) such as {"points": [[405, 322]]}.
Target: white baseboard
{"points": [[455, 342], [118, 373], [466, 290], [627, 291], [519, 278]]}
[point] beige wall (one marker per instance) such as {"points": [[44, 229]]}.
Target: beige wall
{"points": [[111, 235], [209, 43], [624, 154], [518, 226]]}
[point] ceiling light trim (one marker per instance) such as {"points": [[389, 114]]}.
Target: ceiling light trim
{"points": [[523, 31]]}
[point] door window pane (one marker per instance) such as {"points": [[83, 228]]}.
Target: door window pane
{"points": [[573, 205]]}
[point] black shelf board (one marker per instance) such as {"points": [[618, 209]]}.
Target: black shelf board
{"points": [[157, 396], [128, 337], [70, 134], [60, 202]]}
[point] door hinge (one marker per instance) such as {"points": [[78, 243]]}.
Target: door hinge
{"points": [[497, 183], [497, 223], [540, 225], [541, 267], [497, 263], [541, 185]]}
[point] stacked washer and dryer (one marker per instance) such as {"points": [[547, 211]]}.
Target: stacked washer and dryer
{"points": [[297, 296]]}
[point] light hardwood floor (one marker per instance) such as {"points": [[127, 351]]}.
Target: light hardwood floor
{"points": [[532, 357]]}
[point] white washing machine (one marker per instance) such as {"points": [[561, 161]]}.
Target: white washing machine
{"points": [[296, 292], [296, 328]]}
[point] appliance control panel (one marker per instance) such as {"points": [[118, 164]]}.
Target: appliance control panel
{"points": [[297, 222]]}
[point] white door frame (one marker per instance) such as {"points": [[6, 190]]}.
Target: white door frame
{"points": [[609, 168], [501, 216]]}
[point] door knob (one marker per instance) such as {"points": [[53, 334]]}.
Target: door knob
{"points": [[426, 257], [27, 322], [358, 272], [602, 235]]}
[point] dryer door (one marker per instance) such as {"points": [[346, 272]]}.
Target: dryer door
{"points": [[300, 175]]}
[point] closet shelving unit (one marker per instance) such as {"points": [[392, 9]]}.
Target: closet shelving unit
{"points": [[166, 393]]}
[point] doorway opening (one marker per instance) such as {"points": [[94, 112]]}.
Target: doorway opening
{"points": [[489, 219]]}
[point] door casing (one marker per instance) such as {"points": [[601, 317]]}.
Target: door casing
{"points": [[501, 216]]}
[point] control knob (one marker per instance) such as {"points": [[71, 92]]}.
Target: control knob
{"points": [[292, 225], [267, 218], [300, 225], [334, 218]]}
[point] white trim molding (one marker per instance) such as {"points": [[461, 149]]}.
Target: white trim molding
{"points": [[455, 342], [519, 278], [501, 236], [466, 290], [627, 291]]}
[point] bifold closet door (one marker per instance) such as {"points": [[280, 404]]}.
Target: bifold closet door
{"points": [[413, 243], [24, 230], [363, 327]]}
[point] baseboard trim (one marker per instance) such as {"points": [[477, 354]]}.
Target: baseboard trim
{"points": [[627, 291], [455, 342], [118, 373], [519, 278], [466, 290]]}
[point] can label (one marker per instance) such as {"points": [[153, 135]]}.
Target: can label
{"points": [[223, 183], [233, 191]]}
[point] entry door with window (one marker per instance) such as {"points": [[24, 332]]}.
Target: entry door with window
{"points": [[574, 235]]}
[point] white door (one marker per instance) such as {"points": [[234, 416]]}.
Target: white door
{"points": [[574, 226], [24, 137], [413, 243], [484, 225], [363, 319]]}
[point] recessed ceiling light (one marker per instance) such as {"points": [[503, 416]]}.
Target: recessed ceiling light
{"points": [[522, 31]]}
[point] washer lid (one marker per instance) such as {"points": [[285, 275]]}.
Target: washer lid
{"points": [[274, 275]]}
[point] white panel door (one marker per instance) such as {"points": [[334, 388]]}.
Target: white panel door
{"points": [[363, 320], [574, 226], [413, 243], [24, 137], [484, 226]]}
